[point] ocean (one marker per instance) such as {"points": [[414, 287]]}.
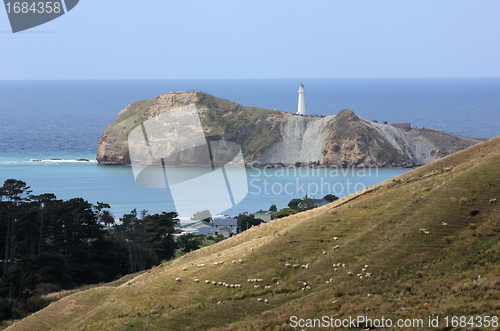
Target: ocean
{"points": [[63, 120]]}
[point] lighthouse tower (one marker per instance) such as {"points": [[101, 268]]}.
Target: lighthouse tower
{"points": [[301, 110]]}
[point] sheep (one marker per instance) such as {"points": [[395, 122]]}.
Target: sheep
{"points": [[256, 286], [335, 238], [324, 252], [361, 277], [274, 279], [368, 275], [366, 266], [219, 302], [252, 249], [426, 232], [422, 230], [364, 269], [368, 295], [214, 283], [305, 266], [185, 268], [334, 269], [267, 287], [196, 280], [336, 247], [358, 275], [221, 262], [266, 301], [349, 274], [327, 282], [331, 280], [334, 301], [177, 279], [448, 168], [216, 263], [241, 261], [201, 265], [259, 299], [207, 281], [343, 265], [444, 223], [220, 283], [234, 261], [296, 266], [287, 265], [492, 201], [308, 288]]}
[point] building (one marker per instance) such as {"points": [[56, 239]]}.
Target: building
{"points": [[228, 223], [215, 231], [301, 109], [266, 216]]}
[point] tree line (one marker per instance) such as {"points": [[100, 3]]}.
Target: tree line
{"points": [[48, 243]]}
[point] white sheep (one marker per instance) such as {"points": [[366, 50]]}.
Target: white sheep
{"points": [[444, 223], [266, 301], [366, 266], [241, 261], [295, 266], [185, 268], [177, 279], [207, 281], [196, 280], [324, 252], [335, 238], [350, 274], [259, 299]]}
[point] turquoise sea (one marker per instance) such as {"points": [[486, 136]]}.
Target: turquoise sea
{"points": [[65, 119]]}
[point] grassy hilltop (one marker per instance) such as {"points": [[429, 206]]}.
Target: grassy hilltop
{"points": [[453, 270]]}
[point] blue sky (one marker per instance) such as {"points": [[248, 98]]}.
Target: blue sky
{"points": [[167, 39]]}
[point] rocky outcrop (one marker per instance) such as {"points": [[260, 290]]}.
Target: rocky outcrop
{"points": [[274, 137]]}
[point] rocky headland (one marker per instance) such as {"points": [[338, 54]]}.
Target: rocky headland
{"points": [[276, 137]]}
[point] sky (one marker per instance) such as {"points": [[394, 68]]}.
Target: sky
{"points": [[228, 39]]}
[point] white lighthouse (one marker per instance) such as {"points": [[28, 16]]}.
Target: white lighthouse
{"points": [[301, 110]]}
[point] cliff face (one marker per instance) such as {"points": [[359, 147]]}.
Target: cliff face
{"points": [[270, 137]]}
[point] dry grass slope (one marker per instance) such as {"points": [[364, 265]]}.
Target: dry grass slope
{"points": [[430, 239]]}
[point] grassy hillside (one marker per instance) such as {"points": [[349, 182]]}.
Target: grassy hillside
{"points": [[451, 271]]}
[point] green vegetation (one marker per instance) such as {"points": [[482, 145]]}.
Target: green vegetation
{"points": [[47, 244], [245, 222], [285, 212]]}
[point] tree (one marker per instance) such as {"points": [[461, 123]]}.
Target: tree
{"points": [[160, 228], [273, 208], [16, 194], [285, 212], [245, 222], [306, 204], [42, 205], [330, 197], [294, 203], [189, 242]]}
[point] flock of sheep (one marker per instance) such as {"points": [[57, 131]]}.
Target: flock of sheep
{"points": [[304, 285]]}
